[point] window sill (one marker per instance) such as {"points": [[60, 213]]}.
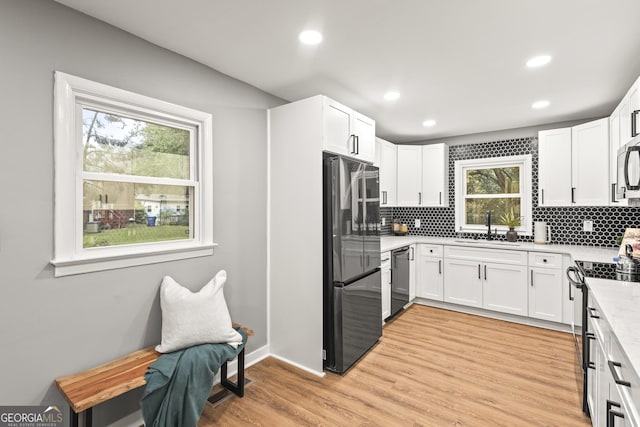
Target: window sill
{"points": [[89, 264]]}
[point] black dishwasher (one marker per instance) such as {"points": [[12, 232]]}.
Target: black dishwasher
{"points": [[399, 278]]}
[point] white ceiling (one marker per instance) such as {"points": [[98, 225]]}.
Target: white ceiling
{"points": [[460, 62]]}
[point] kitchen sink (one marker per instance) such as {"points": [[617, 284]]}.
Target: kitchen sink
{"points": [[487, 242]]}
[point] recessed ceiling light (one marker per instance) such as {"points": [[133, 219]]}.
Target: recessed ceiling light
{"points": [[540, 104], [391, 96], [429, 123], [310, 37], [538, 61]]}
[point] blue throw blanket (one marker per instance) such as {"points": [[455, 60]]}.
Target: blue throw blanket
{"points": [[179, 383]]}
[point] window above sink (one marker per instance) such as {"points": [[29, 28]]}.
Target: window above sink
{"points": [[501, 185]]}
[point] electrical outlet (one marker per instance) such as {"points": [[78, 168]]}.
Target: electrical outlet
{"points": [[417, 223], [588, 226], [384, 221]]}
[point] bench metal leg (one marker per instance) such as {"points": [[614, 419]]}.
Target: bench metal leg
{"points": [[238, 387], [87, 417]]}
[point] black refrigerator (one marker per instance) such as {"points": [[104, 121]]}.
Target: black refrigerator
{"points": [[352, 321]]}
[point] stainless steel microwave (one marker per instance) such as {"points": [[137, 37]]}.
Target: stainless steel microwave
{"points": [[629, 170]]}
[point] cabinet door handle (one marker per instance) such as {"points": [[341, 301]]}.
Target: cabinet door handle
{"points": [[384, 197], [590, 337], [592, 313], [531, 278], [542, 196], [384, 260], [413, 255], [353, 149], [614, 373], [485, 272], [440, 198], [419, 198], [479, 272], [611, 415], [613, 193], [357, 144], [634, 122], [573, 194], [440, 266]]}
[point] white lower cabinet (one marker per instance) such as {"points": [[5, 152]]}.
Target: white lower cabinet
{"points": [[463, 283], [412, 272], [613, 388], [385, 270], [475, 278], [430, 272], [546, 281], [505, 288]]}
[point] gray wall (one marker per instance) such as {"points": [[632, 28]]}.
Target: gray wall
{"points": [[51, 327]]}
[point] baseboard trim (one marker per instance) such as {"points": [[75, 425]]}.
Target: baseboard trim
{"points": [[297, 365], [560, 327]]}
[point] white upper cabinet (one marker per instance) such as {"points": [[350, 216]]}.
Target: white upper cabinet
{"points": [[574, 165], [347, 132], [423, 172], [435, 175], [590, 163], [386, 160], [409, 175], [554, 167], [629, 104]]}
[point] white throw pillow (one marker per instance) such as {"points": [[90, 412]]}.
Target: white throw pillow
{"points": [[190, 318]]}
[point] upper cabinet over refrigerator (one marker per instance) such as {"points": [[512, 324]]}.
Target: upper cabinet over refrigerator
{"points": [[347, 132]]}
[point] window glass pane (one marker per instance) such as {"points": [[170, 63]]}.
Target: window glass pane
{"points": [[493, 180], [117, 213], [122, 145], [476, 210]]}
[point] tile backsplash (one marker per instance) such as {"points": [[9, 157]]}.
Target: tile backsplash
{"points": [[566, 222]]}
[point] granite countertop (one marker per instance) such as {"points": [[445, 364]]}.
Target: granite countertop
{"points": [[577, 253], [619, 304]]}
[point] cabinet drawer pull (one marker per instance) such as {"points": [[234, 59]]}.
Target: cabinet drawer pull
{"points": [[384, 260], [614, 373], [611, 415]]}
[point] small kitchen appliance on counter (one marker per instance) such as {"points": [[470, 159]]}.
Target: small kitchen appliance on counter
{"points": [[541, 233], [628, 267]]}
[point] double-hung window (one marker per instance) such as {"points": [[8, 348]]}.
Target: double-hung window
{"points": [[132, 179], [500, 185]]}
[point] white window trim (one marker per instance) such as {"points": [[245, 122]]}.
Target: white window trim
{"points": [[524, 162], [69, 256]]}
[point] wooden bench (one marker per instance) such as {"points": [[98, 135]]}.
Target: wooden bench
{"points": [[89, 388]]}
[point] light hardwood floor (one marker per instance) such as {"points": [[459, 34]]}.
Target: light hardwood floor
{"points": [[432, 367]]}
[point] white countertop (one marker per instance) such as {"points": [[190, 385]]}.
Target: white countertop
{"points": [[620, 305], [578, 253]]}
